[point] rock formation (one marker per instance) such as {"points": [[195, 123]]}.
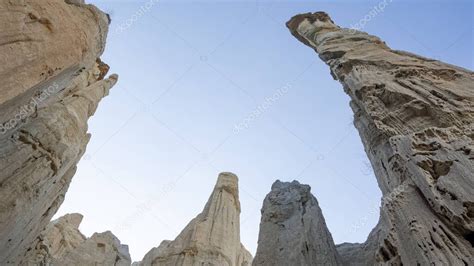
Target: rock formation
{"points": [[415, 117], [52, 81], [61, 243], [293, 230], [212, 238]]}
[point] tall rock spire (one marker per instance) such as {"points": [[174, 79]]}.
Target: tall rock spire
{"points": [[212, 238], [415, 117], [293, 230]]}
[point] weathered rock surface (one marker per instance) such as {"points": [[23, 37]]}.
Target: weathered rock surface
{"points": [[61, 243], [416, 119], [293, 230], [52, 81], [212, 238]]}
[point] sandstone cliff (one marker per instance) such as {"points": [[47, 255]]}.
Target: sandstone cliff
{"points": [[415, 117], [293, 230], [61, 243], [212, 238], [52, 81]]}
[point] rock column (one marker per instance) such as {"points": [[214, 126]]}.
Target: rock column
{"points": [[415, 117]]}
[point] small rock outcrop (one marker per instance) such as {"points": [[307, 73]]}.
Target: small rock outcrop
{"points": [[293, 230], [61, 243], [415, 117], [212, 238], [51, 82]]}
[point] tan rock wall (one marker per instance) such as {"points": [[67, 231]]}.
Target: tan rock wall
{"points": [[51, 84]]}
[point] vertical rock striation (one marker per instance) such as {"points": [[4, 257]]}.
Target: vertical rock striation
{"points": [[293, 230], [52, 82], [415, 117], [212, 238], [63, 244]]}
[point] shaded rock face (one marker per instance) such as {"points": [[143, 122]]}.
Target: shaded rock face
{"points": [[293, 230], [212, 238], [415, 117], [52, 81], [61, 243]]}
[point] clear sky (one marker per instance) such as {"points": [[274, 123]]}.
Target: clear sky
{"points": [[190, 71]]}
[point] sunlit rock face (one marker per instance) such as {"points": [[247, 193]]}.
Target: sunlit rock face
{"points": [[63, 244], [51, 83], [293, 230], [212, 238], [415, 117]]}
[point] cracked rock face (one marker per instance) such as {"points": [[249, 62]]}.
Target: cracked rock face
{"points": [[415, 117], [293, 230], [212, 238], [52, 82], [63, 244]]}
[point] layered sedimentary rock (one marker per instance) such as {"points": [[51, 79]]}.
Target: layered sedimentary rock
{"points": [[52, 81], [212, 238], [61, 243], [293, 230], [415, 117]]}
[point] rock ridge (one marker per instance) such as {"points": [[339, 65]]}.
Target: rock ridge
{"points": [[61, 243]]}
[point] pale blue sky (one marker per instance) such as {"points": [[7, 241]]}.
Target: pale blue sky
{"points": [[192, 70]]}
